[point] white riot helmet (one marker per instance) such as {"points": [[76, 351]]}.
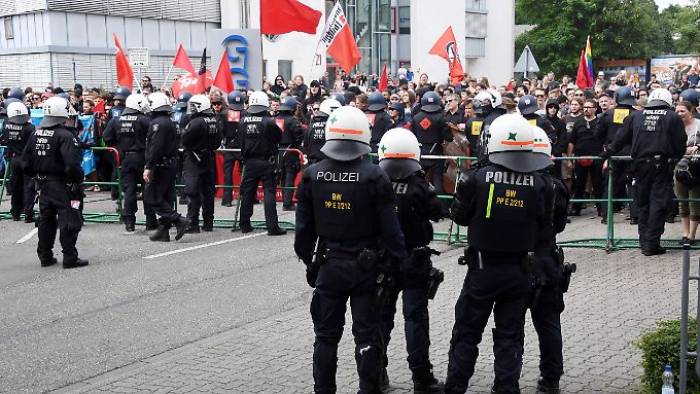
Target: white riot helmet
{"points": [[328, 106], [660, 98], [489, 98], [347, 134], [137, 102], [17, 113], [399, 153], [199, 103], [510, 144], [159, 102], [55, 112], [258, 102], [541, 148]]}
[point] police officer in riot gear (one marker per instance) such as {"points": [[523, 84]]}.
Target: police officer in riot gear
{"points": [[527, 106], [657, 137], [502, 205], [181, 118], [201, 138], [416, 205], [548, 300], [315, 136], [14, 134], [346, 205], [431, 130], [53, 158], [230, 118], [16, 93], [259, 136], [292, 137], [473, 128], [491, 102], [128, 133], [609, 124], [379, 119], [160, 169], [118, 101]]}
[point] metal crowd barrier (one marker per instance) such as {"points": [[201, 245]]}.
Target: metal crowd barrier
{"points": [[684, 352]]}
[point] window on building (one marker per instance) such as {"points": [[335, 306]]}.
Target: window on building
{"points": [[475, 29], [284, 68], [476, 5], [9, 29], [474, 47], [404, 20]]}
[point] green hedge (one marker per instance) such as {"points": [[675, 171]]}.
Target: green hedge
{"points": [[661, 347]]}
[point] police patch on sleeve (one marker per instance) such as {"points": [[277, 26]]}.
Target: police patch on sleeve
{"points": [[155, 127]]}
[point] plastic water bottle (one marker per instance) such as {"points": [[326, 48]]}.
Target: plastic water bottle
{"points": [[667, 377]]}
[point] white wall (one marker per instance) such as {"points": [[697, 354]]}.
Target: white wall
{"points": [[500, 44], [300, 48], [429, 19]]}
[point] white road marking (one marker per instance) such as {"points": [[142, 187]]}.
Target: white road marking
{"points": [[176, 251], [28, 236]]}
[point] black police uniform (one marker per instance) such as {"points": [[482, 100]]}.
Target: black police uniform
{"points": [[114, 113], [180, 119], [201, 138], [259, 136], [380, 122], [229, 119], [416, 205], [52, 156], [315, 138], [15, 137], [128, 133], [609, 123], [290, 163], [504, 211], [548, 304], [657, 137], [432, 131], [161, 159], [473, 129], [347, 207]]}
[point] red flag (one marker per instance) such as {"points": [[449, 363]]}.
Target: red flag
{"points": [[99, 107], [192, 83], [223, 78], [339, 41], [383, 80], [125, 75], [182, 60], [446, 48], [284, 16], [583, 77]]}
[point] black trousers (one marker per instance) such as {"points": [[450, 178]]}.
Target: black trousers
{"points": [[257, 170], [290, 166], [340, 280], [595, 170], [654, 187], [200, 187], [22, 189], [502, 287], [160, 194], [230, 159], [58, 210], [131, 177]]}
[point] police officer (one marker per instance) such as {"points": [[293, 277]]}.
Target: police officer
{"points": [[118, 101], [657, 136], [609, 124], [315, 136], [292, 137], [502, 205], [259, 136], [491, 107], [473, 128], [128, 133], [431, 130], [346, 205], [230, 118], [527, 106], [548, 301], [53, 158], [379, 120], [200, 139], [161, 167], [416, 205], [181, 118], [14, 134]]}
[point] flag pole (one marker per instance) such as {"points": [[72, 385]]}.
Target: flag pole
{"points": [[165, 81]]}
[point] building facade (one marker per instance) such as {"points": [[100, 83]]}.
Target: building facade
{"points": [[397, 33], [68, 41]]}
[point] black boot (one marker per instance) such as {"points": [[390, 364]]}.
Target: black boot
{"points": [[162, 234], [246, 228], [49, 262], [130, 224], [29, 217], [181, 225], [16, 216], [193, 228], [276, 231], [208, 225], [76, 263], [151, 223], [547, 386], [384, 384]]}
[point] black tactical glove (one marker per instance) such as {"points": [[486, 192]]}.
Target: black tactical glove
{"points": [[311, 271]]}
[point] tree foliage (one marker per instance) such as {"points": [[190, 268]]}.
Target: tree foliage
{"points": [[619, 29]]}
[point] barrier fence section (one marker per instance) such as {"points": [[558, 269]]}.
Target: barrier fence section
{"points": [[454, 234]]}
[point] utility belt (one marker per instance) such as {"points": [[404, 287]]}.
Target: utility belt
{"points": [[476, 259], [167, 162], [51, 178], [656, 159], [567, 268], [269, 159]]}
